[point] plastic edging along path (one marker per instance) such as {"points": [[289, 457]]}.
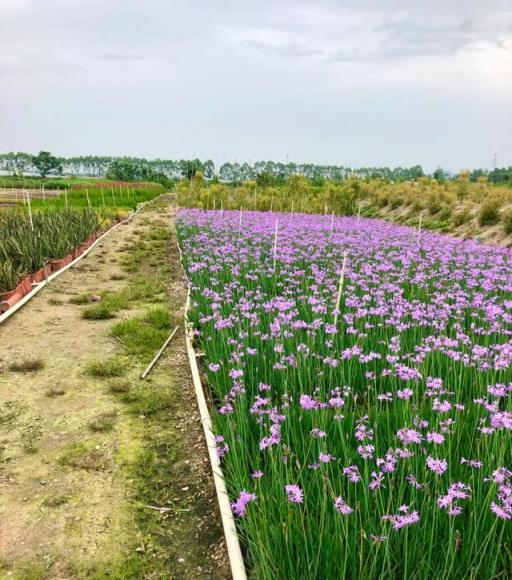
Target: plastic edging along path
{"points": [[236, 560], [41, 285]]}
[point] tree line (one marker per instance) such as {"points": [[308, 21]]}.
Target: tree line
{"points": [[265, 172]]}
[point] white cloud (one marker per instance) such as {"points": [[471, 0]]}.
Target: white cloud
{"points": [[309, 78]]}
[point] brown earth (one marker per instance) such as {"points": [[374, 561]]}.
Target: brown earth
{"points": [[90, 488]]}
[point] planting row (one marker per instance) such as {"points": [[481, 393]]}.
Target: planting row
{"points": [[29, 240], [369, 441]]}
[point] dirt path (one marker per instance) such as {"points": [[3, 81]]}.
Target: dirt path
{"points": [[87, 450]]}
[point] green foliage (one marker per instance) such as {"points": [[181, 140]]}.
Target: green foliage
{"points": [[24, 250], [489, 214], [98, 311], [45, 163], [128, 170], [143, 336], [107, 368], [190, 168], [79, 299], [462, 217], [506, 218]]}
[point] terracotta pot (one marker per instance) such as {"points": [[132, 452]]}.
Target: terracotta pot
{"points": [[40, 275], [25, 286], [9, 299], [67, 259], [56, 265], [6, 295]]}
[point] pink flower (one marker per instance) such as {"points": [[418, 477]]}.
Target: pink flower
{"points": [[402, 521], [294, 492], [239, 507], [352, 472], [434, 437], [438, 466], [408, 436], [341, 506]]}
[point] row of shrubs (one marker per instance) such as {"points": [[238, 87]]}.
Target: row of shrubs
{"points": [[445, 205]]}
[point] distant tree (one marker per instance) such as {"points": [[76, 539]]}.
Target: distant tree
{"points": [[18, 163], [265, 179], [128, 170], [439, 175], [46, 163], [189, 168]]}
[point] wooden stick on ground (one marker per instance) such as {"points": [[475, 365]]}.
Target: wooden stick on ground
{"points": [[158, 354]]}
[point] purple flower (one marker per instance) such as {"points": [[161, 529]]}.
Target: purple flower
{"points": [[352, 472], [294, 492], [438, 466], [434, 437], [403, 519], [306, 402], [405, 394], [214, 367], [239, 507], [408, 436], [341, 506]]}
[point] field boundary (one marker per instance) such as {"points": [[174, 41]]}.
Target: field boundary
{"points": [[45, 282], [236, 560]]}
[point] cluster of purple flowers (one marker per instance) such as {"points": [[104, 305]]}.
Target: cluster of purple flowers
{"points": [[384, 400]]}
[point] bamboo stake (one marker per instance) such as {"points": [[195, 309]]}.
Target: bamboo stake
{"points": [[359, 213], [340, 287], [30, 212], [158, 354], [103, 196], [88, 199], [275, 245], [66, 198]]}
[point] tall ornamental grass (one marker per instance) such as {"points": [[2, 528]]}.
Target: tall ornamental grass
{"points": [[26, 246], [376, 447]]}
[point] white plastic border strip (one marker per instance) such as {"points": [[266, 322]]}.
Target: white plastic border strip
{"points": [[41, 285], [236, 560]]}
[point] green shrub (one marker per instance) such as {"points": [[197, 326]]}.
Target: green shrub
{"points": [[110, 367], [506, 218], [489, 214], [99, 311], [462, 217]]}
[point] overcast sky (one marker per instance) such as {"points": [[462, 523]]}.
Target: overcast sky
{"points": [[354, 82]]}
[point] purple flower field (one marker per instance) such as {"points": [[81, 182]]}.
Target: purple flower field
{"points": [[369, 442]]}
